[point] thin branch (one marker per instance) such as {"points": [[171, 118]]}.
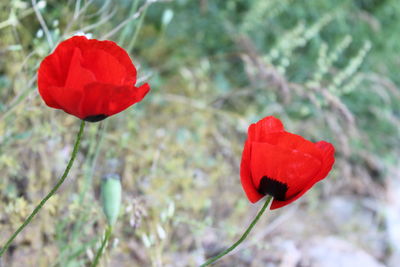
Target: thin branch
{"points": [[134, 16], [74, 19], [99, 23], [42, 24], [77, 9]]}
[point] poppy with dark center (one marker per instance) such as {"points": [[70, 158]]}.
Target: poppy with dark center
{"points": [[89, 79], [281, 164]]}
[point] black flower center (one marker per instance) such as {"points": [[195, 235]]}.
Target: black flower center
{"points": [[272, 187], [95, 118]]}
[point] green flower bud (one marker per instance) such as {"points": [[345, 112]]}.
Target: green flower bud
{"points": [[111, 197]]}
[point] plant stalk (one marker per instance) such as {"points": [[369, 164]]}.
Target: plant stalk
{"points": [[50, 194], [103, 244], [243, 237]]}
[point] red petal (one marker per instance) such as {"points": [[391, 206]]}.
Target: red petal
{"points": [[245, 175], [45, 92], [64, 93], [89, 77], [116, 52], [108, 62], [71, 99], [327, 151], [328, 158], [291, 167], [121, 100], [105, 99], [52, 74], [78, 76], [291, 141], [106, 67], [258, 131], [54, 68]]}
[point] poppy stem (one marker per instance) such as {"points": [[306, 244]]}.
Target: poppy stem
{"points": [[49, 195], [103, 244], [243, 237]]}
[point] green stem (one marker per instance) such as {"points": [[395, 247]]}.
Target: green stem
{"points": [[243, 237], [129, 26], [49, 195], [94, 151], [103, 244], [138, 27]]}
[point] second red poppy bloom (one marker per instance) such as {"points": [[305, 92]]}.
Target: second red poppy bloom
{"points": [[90, 79], [281, 164]]}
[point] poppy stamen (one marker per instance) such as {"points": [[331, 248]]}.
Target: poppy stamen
{"points": [[95, 118], [269, 186]]}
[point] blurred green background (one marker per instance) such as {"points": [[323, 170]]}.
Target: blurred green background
{"points": [[327, 69]]}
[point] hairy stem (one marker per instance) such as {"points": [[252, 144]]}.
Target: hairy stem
{"points": [[50, 194], [103, 244], [243, 237]]}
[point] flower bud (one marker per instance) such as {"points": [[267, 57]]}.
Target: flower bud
{"points": [[111, 197]]}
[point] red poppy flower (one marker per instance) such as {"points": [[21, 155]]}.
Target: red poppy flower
{"points": [[281, 164], [90, 79]]}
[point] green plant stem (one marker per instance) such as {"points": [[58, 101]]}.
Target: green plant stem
{"points": [[243, 237], [103, 244], [129, 26], [94, 152], [138, 27], [49, 195], [88, 169]]}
